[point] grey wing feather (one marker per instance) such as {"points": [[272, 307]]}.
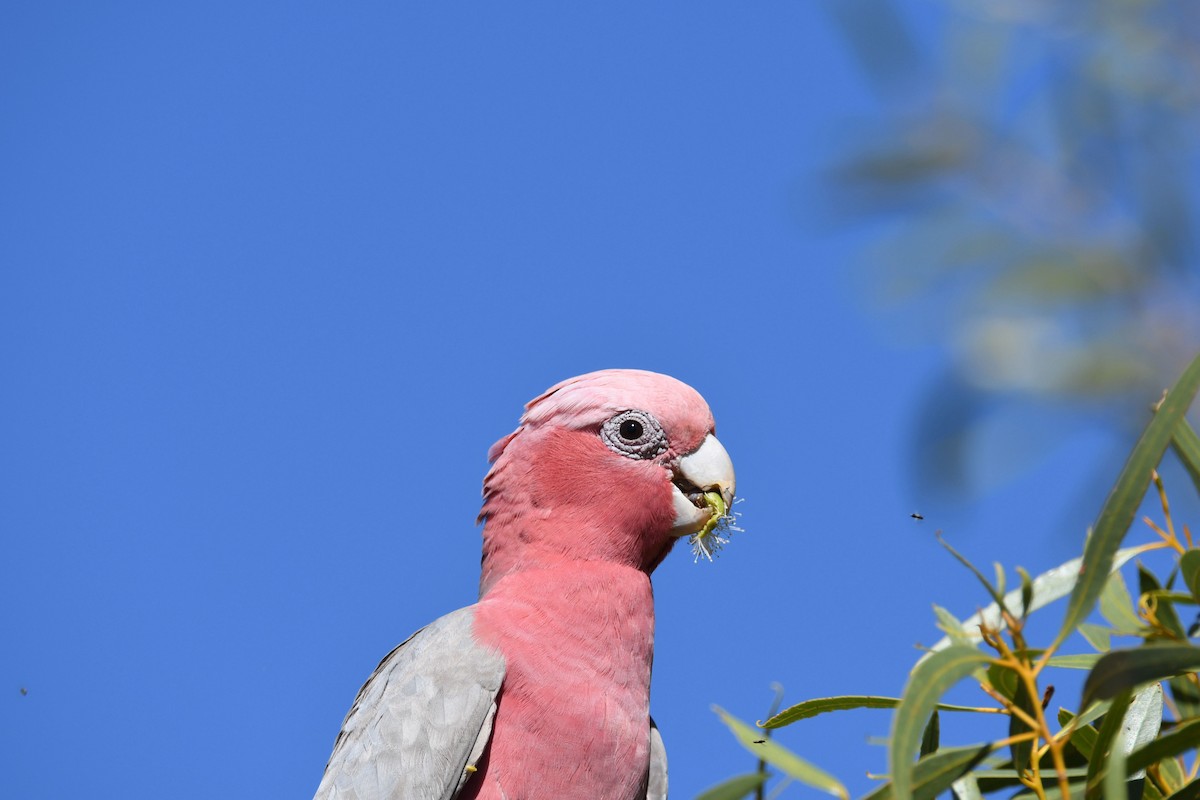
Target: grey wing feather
{"points": [[421, 720], [656, 784]]}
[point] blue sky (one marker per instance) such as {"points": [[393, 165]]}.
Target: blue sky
{"points": [[276, 276]]}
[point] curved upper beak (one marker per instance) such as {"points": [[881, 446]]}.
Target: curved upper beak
{"points": [[708, 468]]}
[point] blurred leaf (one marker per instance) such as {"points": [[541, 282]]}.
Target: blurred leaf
{"points": [[1186, 696], [735, 788], [950, 625], [1138, 728], [1003, 679], [932, 735], [1181, 739], [1164, 609], [881, 43], [1116, 605], [1186, 445], [1083, 738], [1021, 751], [1189, 792], [1051, 585], [1189, 565], [934, 774], [1170, 775], [1118, 511], [966, 788], [1026, 591], [1080, 661], [1102, 749], [930, 679], [1097, 636], [823, 705], [996, 594], [1125, 669], [1114, 776], [778, 756]]}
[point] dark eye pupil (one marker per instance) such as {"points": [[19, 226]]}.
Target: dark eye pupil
{"points": [[631, 429]]}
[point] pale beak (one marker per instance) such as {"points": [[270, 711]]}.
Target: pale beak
{"points": [[706, 469]]}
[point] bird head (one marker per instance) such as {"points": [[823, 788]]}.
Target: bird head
{"points": [[614, 465]]}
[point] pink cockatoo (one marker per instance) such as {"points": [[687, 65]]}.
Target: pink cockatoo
{"points": [[542, 688]]}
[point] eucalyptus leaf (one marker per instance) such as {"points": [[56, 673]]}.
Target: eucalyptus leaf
{"points": [[1097, 636], [1021, 751], [1124, 669], [1164, 608], [933, 774], [1026, 591], [780, 757], [931, 738], [950, 625], [931, 678], [735, 788], [1186, 445], [1190, 791], [1116, 605], [1189, 565], [1119, 508], [1051, 585], [966, 788], [1104, 740], [1181, 739], [1138, 729], [1079, 661], [823, 705]]}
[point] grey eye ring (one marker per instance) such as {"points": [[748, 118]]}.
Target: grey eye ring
{"points": [[634, 434]]}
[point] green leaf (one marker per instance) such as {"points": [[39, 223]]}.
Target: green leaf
{"points": [[1116, 605], [1164, 609], [779, 756], [1021, 751], [823, 705], [1186, 445], [996, 595], [1171, 775], [1138, 728], [1003, 679], [1026, 591], [1114, 776], [1125, 669], [1080, 661], [930, 679], [1183, 738], [1121, 505], [1189, 565], [934, 774], [966, 788], [1189, 792], [932, 735], [1186, 696], [950, 625], [735, 788], [1051, 585], [1097, 636], [1083, 739], [1108, 732]]}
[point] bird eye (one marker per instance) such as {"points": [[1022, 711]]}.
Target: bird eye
{"points": [[635, 434], [631, 430]]}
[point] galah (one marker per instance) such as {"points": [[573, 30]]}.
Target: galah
{"points": [[541, 689]]}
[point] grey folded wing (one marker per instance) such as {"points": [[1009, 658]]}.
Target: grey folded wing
{"points": [[656, 782], [421, 721]]}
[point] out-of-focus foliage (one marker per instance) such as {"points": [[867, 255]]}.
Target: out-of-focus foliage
{"points": [[1032, 173], [1131, 732]]}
